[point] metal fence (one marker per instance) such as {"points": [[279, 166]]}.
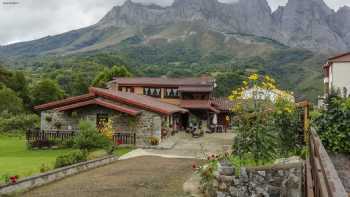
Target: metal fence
{"points": [[49, 138], [38, 138]]}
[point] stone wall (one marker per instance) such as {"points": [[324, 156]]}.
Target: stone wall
{"points": [[48, 177], [144, 125], [275, 181]]}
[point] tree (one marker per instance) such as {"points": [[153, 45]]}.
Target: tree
{"points": [[10, 102], [107, 75], [45, 91], [226, 81]]}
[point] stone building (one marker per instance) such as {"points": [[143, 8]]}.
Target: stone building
{"points": [[130, 113], [193, 94]]}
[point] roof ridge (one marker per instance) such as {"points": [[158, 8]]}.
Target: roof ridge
{"points": [[146, 102]]}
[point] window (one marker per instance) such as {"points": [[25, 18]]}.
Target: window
{"points": [[171, 93], [154, 92], [128, 89]]}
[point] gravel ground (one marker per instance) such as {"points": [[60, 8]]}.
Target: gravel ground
{"points": [[139, 177]]}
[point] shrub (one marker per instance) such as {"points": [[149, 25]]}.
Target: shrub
{"points": [[333, 125], [89, 138], [44, 168], [18, 123], [153, 141], [71, 158]]}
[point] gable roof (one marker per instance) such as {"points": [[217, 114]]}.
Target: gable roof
{"points": [[345, 57], [106, 98], [68, 101], [144, 102], [102, 103], [161, 81]]}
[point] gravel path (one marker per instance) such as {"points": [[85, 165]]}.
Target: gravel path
{"points": [[139, 177]]}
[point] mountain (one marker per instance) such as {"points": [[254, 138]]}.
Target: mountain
{"points": [[194, 37], [307, 24]]}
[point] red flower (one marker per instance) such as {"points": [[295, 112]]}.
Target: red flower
{"points": [[119, 142], [13, 179]]}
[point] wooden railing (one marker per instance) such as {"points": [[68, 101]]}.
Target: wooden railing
{"points": [[124, 138], [321, 178]]}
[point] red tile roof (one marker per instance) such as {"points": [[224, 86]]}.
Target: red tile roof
{"points": [[144, 102], [195, 88], [345, 57], [160, 81], [223, 104], [64, 102], [102, 103], [198, 104]]}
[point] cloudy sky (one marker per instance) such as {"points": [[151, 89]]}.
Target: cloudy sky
{"points": [[22, 20]]}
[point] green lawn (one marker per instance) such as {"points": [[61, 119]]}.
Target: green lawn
{"points": [[16, 159]]}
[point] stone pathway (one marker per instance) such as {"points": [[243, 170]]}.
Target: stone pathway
{"points": [[187, 147], [342, 165], [199, 147]]}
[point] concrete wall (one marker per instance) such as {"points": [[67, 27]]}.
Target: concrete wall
{"points": [[340, 76], [144, 125]]}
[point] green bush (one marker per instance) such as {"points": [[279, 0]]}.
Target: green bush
{"points": [[90, 138], [10, 123], [71, 158], [333, 125]]}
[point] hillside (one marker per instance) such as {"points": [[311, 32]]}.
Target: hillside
{"points": [[194, 37]]}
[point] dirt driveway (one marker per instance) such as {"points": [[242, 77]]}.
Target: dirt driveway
{"points": [[139, 177]]}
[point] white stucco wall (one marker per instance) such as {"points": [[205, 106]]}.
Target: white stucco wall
{"points": [[340, 76]]}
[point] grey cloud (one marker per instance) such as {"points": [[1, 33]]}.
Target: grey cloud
{"points": [[32, 19]]}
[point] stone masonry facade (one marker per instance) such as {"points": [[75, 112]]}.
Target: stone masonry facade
{"points": [[144, 125]]}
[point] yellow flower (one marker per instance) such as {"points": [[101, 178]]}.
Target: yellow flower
{"points": [[288, 110], [268, 78], [253, 77], [245, 83]]}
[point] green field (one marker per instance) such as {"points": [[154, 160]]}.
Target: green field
{"points": [[16, 159]]}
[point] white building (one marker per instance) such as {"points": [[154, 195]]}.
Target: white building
{"points": [[263, 94], [337, 74]]}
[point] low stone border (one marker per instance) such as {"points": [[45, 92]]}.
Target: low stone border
{"points": [[54, 175]]}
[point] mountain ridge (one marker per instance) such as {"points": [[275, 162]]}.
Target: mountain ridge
{"points": [[307, 24]]}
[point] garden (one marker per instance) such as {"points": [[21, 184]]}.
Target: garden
{"points": [[269, 131], [18, 159]]}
